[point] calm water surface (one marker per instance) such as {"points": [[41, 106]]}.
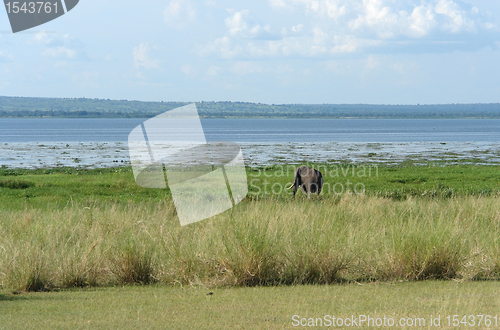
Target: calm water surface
{"points": [[261, 130]]}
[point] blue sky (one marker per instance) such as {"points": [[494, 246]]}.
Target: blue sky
{"points": [[267, 51]]}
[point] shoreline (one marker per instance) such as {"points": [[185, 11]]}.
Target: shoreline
{"points": [[34, 155]]}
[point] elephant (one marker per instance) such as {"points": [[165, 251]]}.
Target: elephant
{"points": [[309, 179]]}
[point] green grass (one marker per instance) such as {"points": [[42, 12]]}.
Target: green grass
{"points": [[398, 182], [20, 188], [65, 229], [68, 227], [61, 186], [162, 307]]}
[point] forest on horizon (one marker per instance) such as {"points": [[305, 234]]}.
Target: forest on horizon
{"points": [[34, 107]]}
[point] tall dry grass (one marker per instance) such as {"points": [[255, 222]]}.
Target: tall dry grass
{"points": [[262, 242]]}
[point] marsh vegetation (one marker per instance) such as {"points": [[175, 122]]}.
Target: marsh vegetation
{"points": [[65, 228]]}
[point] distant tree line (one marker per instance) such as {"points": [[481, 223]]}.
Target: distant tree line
{"points": [[23, 107]]}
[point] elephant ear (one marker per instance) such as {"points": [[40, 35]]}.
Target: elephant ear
{"points": [[320, 181], [319, 177]]}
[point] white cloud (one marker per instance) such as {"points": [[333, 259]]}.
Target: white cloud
{"points": [[278, 3], [223, 47], [328, 8], [297, 28], [456, 18], [377, 18], [333, 27], [41, 38], [142, 57], [241, 24], [236, 23], [179, 13], [61, 51], [421, 22], [44, 38], [334, 9], [58, 45]]}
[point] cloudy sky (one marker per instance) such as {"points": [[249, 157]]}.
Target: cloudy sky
{"points": [[268, 51]]}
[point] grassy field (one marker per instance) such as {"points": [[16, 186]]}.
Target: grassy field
{"points": [[66, 228], [78, 246], [194, 307], [58, 188], [354, 238]]}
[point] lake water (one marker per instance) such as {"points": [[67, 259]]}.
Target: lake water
{"points": [[262, 130], [48, 142]]}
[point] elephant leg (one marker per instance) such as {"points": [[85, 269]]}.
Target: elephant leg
{"points": [[314, 187], [306, 188]]}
